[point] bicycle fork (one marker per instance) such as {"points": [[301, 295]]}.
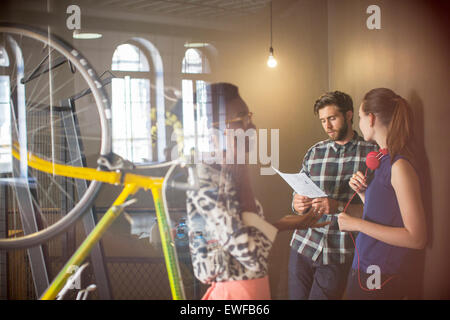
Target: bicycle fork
{"points": [[168, 244], [110, 216]]}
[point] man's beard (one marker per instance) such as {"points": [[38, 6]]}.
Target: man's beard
{"points": [[341, 133]]}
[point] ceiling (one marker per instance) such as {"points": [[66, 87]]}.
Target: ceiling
{"points": [[182, 8]]}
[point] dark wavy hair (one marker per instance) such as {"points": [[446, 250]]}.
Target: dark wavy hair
{"points": [[339, 99], [218, 95]]}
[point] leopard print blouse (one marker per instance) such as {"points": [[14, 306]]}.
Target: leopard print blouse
{"points": [[222, 247]]}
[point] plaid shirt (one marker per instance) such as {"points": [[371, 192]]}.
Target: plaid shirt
{"points": [[331, 166]]}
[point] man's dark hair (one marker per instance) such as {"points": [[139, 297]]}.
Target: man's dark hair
{"points": [[340, 99]]}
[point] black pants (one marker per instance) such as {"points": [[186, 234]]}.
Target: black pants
{"points": [[309, 280]]}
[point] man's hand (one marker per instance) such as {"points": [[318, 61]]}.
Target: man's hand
{"points": [[305, 221], [325, 205], [301, 203]]}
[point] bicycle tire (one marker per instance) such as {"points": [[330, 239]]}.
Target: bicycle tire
{"points": [[57, 47]]}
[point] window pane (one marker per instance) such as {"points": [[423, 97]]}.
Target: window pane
{"points": [[141, 149], [131, 120], [188, 116], [5, 126], [128, 57], [4, 61], [202, 118], [118, 109]]}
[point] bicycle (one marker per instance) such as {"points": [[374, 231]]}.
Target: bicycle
{"points": [[39, 169]]}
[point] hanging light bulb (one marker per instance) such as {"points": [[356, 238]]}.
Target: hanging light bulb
{"points": [[271, 62]]}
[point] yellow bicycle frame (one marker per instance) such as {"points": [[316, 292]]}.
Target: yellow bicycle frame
{"points": [[132, 183]]}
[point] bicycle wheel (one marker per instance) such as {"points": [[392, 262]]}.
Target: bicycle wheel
{"points": [[54, 106]]}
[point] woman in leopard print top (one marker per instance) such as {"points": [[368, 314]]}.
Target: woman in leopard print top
{"points": [[223, 248], [229, 239]]}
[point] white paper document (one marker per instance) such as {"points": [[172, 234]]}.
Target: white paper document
{"points": [[302, 184]]}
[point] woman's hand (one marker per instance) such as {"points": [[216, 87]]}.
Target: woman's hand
{"points": [[347, 222], [305, 221], [325, 205], [358, 182]]}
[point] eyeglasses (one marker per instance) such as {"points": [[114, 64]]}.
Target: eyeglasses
{"points": [[246, 119]]}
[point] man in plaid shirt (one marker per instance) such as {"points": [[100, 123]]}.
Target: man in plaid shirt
{"points": [[320, 258]]}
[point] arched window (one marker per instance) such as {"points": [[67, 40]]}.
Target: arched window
{"points": [[131, 104], [195, 62], [194, 68]]}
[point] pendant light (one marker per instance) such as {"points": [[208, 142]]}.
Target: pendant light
{"points": [[271, 62]]}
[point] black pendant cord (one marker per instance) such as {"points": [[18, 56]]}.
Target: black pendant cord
{"points": [[271, 26]]}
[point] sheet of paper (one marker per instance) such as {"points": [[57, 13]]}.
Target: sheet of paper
{"points": [[302, 184]]}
